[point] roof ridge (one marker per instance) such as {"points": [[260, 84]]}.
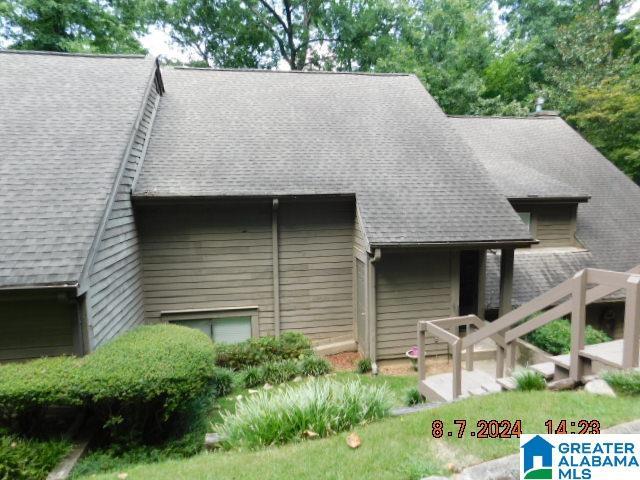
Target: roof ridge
{"points": [[75, 54], [316, 72], [504, 117]]}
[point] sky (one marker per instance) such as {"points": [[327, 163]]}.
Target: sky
{"points": [[158, 41]]}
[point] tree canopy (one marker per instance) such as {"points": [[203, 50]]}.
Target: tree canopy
{"points": [[582, 56]]}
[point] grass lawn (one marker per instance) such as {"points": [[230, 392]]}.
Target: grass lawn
{"points": [[397, 448]]}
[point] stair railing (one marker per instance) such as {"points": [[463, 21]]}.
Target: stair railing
{"points": [[571, 296]]}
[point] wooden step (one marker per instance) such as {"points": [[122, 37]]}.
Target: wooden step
{"points": [[508, 383], [439, 387], [546, 369]]}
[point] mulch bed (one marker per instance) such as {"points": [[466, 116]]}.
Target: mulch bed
{"points": [[345, 361]]}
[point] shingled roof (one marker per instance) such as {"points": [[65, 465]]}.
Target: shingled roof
{"points": [[608, 225], [381, 138], [66, 121]]}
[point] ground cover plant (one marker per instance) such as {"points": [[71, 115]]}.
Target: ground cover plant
{"points": [[624, 383], [528, 380], [29, 459], [364, 365], [397, 448], [555, 337], [413, 397], [313, 408]]}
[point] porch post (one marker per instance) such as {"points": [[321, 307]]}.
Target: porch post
{"points": [[578, 321], [630, 346], [275, 255], [506, 292]]}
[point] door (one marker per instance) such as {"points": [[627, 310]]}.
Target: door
{"points": [[469, 275], [361, 309]]}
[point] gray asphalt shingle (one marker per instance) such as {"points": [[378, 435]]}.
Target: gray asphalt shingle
{"points": [[65, 122], [380, 137], [608, 225]]}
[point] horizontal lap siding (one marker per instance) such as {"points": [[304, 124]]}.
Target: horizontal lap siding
{"points": [[200, 257], [410, 287], [555, 226], [115, 296], [34, 328], [316, 262]]}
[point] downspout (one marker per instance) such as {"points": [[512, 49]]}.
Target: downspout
{"points": [[275, 257], [372, 317]]}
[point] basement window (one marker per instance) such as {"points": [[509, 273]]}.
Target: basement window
{"points": [[221, 325]]}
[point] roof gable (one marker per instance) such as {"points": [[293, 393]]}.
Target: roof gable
{"points": [[66, 122]]}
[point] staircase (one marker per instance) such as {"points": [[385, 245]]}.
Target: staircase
{"points": [[570, 297]]}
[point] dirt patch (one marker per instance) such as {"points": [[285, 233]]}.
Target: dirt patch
{"points": [[433, 365], [344, 362]]}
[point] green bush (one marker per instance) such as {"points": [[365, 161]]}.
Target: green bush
{"points": [[413, 397], [279, 372], [252, 377], [315, 366], [527, 380], [133, 384], [224, 381], [555, 337], [257, 351], [319, 406], [22, 459], [364, 365], [624, 383]]}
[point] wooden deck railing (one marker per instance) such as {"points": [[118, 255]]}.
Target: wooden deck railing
{"points": [[570, 297]]}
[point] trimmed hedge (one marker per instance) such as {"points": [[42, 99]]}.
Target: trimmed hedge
{"points": [[555, 337], [132, 384], [258, 351]]}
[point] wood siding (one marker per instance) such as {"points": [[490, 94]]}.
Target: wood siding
{"points": [[35, 327], [115, 294], [410, 287], [552, 225], [220, 256], [316, 262], [359, 237]]}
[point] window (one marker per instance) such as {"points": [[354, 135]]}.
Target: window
{"points": [[227, 326], [526, 218]]}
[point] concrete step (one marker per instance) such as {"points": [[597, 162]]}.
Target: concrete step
{"points": [[336, 347], [439, 387], [546, 369]]}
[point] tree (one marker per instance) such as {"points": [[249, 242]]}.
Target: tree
{"points": [[105, 26]]}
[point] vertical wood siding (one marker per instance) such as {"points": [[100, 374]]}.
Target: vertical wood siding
{"points": [[36, 327], [411, 287], [316, 265], [115, 295], [200, 257]]}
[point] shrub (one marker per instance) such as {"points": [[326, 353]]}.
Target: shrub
{"points": [[527, 380], [279, 372], [413, 397], [257, 351], [22, 459], [223, 381], [624, 383], [555, 337], [364, 365], [252, 377], [315, 366], [319, 406], [133, 384]]}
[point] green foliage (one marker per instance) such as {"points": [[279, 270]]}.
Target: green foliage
{"points": [[555, 337], [527, 380], [22, 459], [257, 351], [624, 383], [224, 381], [133, 384], [252, 377], [413, 397], [315, 366], [364, 365], [104, 26], [320, 406], [279, 372]]}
